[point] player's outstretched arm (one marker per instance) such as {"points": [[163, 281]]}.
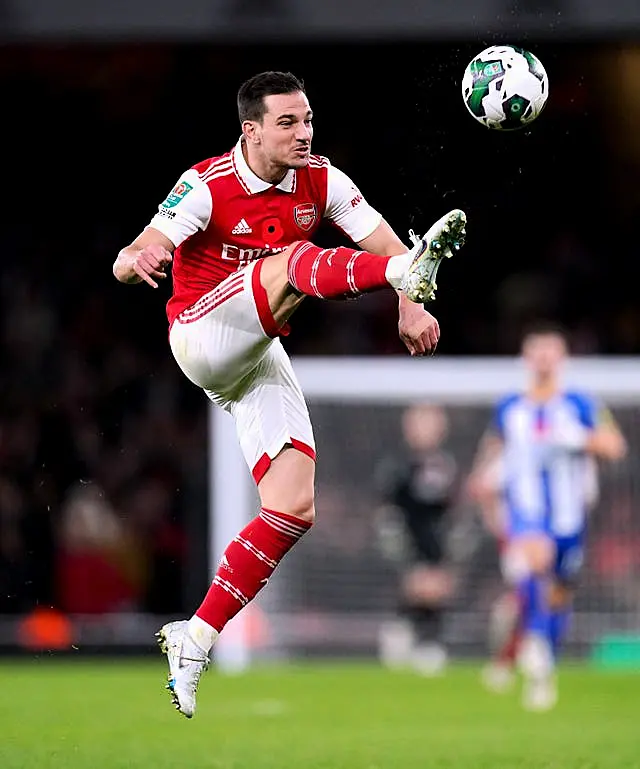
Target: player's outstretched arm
{"points": [[602, 438], [146, 259], [484, 482], [607, 441]]}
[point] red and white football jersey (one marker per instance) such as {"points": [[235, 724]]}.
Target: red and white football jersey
{"points": [[221, 216]]}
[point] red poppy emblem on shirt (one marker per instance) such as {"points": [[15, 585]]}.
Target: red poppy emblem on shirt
{"points": [[305, 215]]}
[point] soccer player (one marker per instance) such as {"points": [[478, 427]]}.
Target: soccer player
{"points": [[538, 464], [417, 486], [236, 229]]}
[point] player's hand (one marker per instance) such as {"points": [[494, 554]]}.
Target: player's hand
{"points": [[607, 442], [150, 263], [418, 329]]}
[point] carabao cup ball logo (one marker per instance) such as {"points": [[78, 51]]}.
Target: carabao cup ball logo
{"points": [[505, 87]]}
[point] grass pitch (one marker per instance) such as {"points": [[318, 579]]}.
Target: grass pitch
{"points": [[116, 715]]}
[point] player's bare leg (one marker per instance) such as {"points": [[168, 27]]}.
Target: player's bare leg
{"points": [[526, 564], [426, 589], [288, 485], [306, 269], [504, 637], [286, 513], [538, 659]]}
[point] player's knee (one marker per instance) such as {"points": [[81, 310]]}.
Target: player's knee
{"points": [[427, 585], [529, 554], [298, 503], [559, 596], [515, 566], [279, 262], [305, 510], [288, 485], [298, 500], [286, 254]]}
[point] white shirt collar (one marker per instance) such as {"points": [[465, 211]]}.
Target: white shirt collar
{"points": [[254, 183]]}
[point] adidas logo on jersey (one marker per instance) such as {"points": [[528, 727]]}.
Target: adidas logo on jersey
{"points": [[241, 228]]}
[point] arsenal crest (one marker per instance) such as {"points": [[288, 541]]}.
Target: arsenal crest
{"points": [[305, 215]]}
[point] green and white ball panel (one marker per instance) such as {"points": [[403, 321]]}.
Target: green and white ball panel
{"points": [[505, 87]]}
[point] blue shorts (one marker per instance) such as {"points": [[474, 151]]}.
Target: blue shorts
{"points": [[569, 556]]}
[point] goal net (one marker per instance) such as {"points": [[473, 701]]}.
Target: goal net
{"points": [[332, 593]]}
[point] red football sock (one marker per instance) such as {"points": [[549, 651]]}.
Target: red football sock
{"points": [[509, 651], [507, 655], [247, 564], [334, 273]]}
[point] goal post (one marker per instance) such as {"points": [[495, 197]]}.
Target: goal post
{"points": [[454, 380], [333, 590]]}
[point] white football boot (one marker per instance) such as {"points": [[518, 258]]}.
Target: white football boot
{"points": [[429, 659], [187, 662], [540, 695], [395, 642], [540, 690], [444, 238], [498, 677]]}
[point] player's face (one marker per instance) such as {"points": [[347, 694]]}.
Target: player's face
{"points": [[286, 131], [544, 354], [424, 427]]}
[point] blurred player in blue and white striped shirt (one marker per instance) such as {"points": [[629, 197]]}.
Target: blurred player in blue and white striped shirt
{"points": [[537, 467]]}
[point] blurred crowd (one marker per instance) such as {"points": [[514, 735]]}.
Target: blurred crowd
{"points": [[102, 442], [100, 453]]}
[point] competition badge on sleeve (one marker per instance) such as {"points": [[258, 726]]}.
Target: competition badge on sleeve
{"points": [[177, 194]]}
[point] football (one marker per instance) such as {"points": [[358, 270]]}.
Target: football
{"points": [[505, 87]]}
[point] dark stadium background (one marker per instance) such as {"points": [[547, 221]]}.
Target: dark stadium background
{"points": [[96, 134], [93, 137]]}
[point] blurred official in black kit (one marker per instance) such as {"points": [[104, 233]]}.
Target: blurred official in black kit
{"points": [[417, 486]]}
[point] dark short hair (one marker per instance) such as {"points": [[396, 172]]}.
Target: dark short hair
{"points": [[252, 92], [545, 328]]}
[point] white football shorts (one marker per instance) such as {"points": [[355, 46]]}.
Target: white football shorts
{"points": [[227, 344]]}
